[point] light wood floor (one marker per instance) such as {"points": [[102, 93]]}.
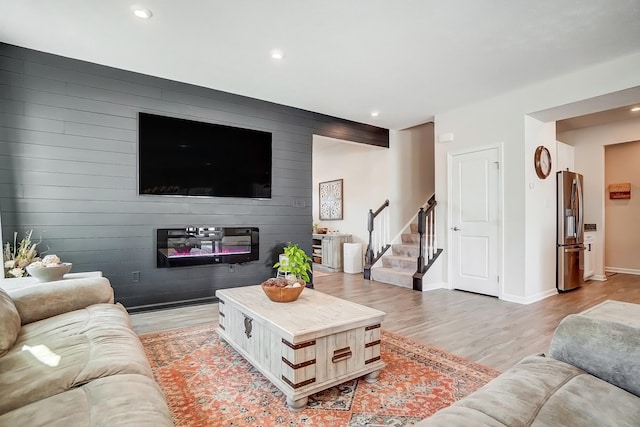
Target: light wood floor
{"points": [[481, 328]]}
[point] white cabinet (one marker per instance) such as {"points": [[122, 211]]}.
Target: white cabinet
{"points": [[330, 245], [589, 254]]}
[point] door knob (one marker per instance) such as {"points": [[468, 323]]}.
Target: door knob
{"points": [[455, 228]]}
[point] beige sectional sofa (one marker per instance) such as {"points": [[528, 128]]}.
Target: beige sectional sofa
{"points": [[69, 357]]}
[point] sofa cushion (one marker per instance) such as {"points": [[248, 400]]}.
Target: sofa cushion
{"points": [[541, 391], [9, 323], [66, 351], [588, 401], [119, 400]]}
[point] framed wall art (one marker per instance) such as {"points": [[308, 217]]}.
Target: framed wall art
{"points": [[620, 191], [331, 200]]}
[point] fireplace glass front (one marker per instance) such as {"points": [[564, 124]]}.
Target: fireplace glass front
{"points": [[181, 247]]}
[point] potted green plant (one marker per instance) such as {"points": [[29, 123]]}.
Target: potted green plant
{"points": [[295, 264]]}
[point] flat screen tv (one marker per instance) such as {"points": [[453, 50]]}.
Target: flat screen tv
{"points": [[190, 158]]}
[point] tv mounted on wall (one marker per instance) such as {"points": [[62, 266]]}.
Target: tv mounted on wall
{"points": [[189, 158]]}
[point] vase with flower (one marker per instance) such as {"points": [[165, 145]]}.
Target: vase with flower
{"points": [[19, 256]]}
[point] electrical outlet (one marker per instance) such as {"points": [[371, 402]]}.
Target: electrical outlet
{"points": [[135, 276]]}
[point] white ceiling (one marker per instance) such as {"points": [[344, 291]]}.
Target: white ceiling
{"points": [[599, 118], [408, 59]]}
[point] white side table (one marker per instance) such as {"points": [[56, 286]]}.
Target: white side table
{"points": [[626, 313], [10, 284]]}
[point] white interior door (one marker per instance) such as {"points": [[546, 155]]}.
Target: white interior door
{"points": [[475, 221]]}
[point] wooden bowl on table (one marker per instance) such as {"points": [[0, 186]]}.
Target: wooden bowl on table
{"points": [[281, 293]]}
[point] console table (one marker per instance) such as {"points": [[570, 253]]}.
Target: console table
{"points": [[329, 248]]}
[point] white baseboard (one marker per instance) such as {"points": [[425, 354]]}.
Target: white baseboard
{"points": [[531, 299], [622, 270], [432, 286], [505, 297], [598, 277]]}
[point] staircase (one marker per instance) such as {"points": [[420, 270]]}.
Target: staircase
{"points": [[409, 260], [399, 267]]}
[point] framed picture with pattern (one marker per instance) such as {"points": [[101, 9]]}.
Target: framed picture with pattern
{"points": [[331, 200]]}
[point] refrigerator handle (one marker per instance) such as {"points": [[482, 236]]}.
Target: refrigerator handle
{"points": [[580, 225], [579, 249]]}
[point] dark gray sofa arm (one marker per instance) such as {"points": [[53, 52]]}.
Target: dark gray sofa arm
{"points": [[605, 349]]}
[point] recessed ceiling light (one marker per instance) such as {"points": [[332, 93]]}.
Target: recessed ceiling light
{"points": [[277, 54], [634, 109], [375, 113], [142, 12]]}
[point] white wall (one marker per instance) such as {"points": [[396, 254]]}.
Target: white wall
{"points": [[364, 170], [540, 210], [502, 120], [589, 160], [373, 174], [413, 181], [565, 155]]}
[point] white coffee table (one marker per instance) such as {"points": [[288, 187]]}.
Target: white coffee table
{"points": [[304, 346]]}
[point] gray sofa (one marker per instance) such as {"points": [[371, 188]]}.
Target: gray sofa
{"points": [[68, 357], [591, 378]]}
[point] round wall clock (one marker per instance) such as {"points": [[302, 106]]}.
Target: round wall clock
{"points": [[542, 162]]}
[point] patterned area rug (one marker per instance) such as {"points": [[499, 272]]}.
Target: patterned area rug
{"points": [[207, 383]]}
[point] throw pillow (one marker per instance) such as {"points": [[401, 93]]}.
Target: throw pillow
{"points": [[9, 322]]}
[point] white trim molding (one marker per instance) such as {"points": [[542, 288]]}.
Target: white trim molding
{"points": [[531, 299], [622, 270], [434, 286]]}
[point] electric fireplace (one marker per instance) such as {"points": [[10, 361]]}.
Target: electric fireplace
{"points": [[181, 247]]}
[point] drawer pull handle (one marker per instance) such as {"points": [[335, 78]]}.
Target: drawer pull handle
{"points": [[342, 354], [247, 325]]}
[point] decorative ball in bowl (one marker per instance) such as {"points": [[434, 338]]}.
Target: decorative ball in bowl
{"points": [[48, 273], [278, 290]]}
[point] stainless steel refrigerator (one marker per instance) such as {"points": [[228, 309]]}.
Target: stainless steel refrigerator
{"points": [[570, 232]]}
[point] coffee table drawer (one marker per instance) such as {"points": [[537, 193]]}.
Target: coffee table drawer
{"points": [[332, 356]]}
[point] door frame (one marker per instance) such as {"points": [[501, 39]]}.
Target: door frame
{"points": [[501, 174]]}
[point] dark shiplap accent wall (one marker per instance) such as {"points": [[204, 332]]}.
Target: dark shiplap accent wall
{"points": [[68, 170]]}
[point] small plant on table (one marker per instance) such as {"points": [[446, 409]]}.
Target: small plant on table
{"points": [[296, 264]]}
